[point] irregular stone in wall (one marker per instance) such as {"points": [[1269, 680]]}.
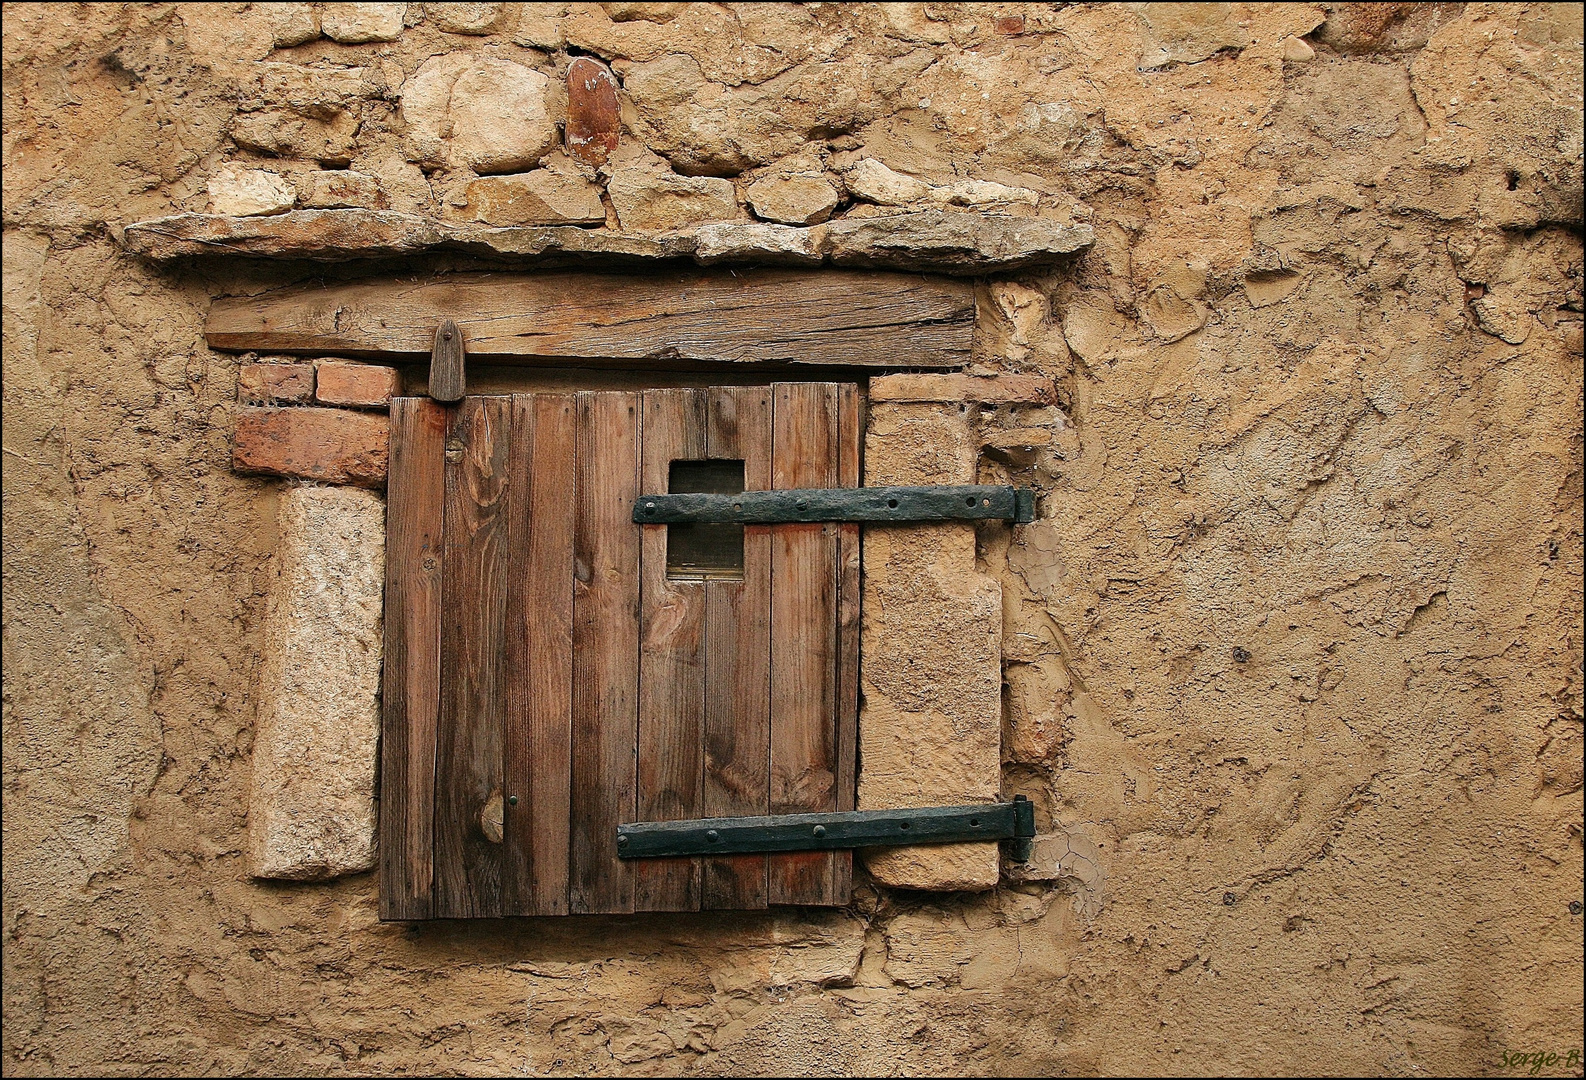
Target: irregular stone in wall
{"points": [[647, 200], [751, 241], [540, 26], [792, 200], [320, 92], [279, 133], [249, 192], [953, 242], [338, 382], [291, 24], [486, 114], [1187, 33], [311, 811], [873, 182], [498, 115], [336, 446], [930, 727], [355, 24], [541, 197], [655, 13], [467, 18], [340, 188], [275, 384], [593, 119], [1380, 27]]}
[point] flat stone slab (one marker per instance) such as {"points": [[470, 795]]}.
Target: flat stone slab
{"points": [[965, 244], [311, 809]]}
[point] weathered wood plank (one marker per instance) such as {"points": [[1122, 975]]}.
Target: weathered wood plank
{"points": [[804, 581], [411, 679], [468, 853], [448, 381], [845, 317], [605, 648], [671, 662], [738, 656], [539, 734]]}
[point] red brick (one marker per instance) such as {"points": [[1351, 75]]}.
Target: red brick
{"points": [[275, 384], [992, 389], [363, 385], [337, 446]]}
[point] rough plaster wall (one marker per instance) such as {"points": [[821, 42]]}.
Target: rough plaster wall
{"points": [[1293, 658]]}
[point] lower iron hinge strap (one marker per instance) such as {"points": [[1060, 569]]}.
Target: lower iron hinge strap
{"points": [[1013, 821]]}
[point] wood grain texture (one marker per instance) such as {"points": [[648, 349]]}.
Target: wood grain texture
{"points": [[671, 662], [411, 679], [804, 583], [468, 760], [538, 735], [843, 317], [605, 648], [448, 380], [738, 656]]}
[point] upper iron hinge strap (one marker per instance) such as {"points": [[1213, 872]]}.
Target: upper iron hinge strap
{"points": [[876, 504]]}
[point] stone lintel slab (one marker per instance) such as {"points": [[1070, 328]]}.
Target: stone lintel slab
{"points": [[931, 639], [311, 811], [965, 244]]}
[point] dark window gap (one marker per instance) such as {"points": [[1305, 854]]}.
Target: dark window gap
{"points": [[698, 551]]}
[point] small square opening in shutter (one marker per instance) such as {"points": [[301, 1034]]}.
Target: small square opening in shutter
{"points": [[550, 676], [705, 551]]}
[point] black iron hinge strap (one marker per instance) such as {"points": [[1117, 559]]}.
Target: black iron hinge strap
{"points": [[876, 504], [1013, 821]]}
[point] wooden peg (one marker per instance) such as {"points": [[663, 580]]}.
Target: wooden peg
{"points": [[446, 364]]}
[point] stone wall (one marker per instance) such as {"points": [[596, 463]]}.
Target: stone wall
{"points": [[1291, 659]]}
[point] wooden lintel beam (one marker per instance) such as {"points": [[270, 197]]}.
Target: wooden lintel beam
{"points": [[830, 317]]}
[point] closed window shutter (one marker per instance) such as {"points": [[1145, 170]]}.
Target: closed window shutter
{"points": [[546, 679]]}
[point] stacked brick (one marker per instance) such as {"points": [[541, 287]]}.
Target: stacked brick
{"points": [[322, 420]]}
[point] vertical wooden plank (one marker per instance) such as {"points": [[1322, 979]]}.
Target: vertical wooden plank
{"points": [[605, 648], [850, 428], [738, 656], [410, 690], [468, 853], [804, 577], [671, 661], [539, 733]]}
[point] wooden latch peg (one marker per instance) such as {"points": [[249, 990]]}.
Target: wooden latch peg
{"points": [[446, 364]]}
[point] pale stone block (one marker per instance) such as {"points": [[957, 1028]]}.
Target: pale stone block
{"points": [[542, 197], [872, 181], [245, 192], [487, 114], [467, 18], [355, 24], [338, 188], [291, 24], [647, 200], [792, 200], [311, 809], [930, 729]]}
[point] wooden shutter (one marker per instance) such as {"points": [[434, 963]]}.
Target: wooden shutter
{"points": [[546, 680]]}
